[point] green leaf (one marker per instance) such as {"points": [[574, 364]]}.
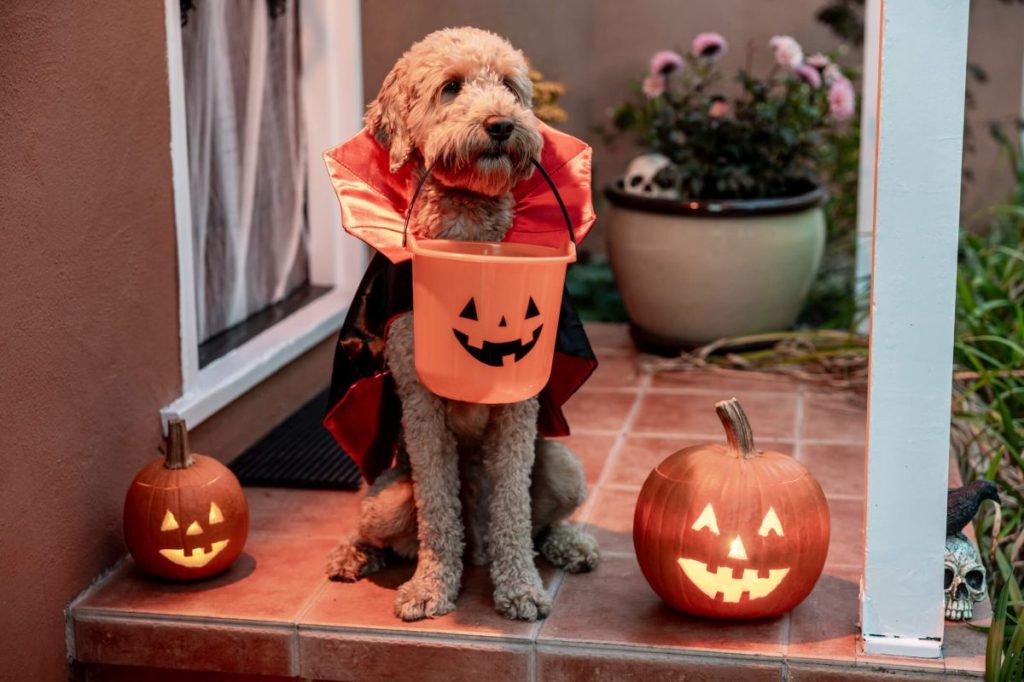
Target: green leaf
{"points": [[994, 644]]}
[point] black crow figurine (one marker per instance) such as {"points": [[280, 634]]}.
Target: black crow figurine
{"points": [[962, 503]]}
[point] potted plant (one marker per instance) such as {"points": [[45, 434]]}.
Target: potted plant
{"points": [[718, 230]]}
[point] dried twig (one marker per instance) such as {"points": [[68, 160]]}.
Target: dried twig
{"points": [[823, 357]]}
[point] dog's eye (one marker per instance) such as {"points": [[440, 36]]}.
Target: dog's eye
{"points": [[507, 82], [452, 87]]}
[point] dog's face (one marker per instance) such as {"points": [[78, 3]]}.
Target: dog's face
{"points": [[460, 98]]}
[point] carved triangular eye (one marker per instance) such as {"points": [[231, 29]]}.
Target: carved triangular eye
{"points": [[169, 522], [531, 309], [706, 520], [215, 514], [469, 312], [770, 524]]}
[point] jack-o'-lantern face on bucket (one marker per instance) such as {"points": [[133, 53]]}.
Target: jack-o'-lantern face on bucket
{"points": [[497, 353], [485, 317]]}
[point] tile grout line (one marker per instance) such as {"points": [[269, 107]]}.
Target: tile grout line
{"points": [[97, 615], [646, 652], [625, 487], [708, 437], [787, 623], [296, 664], [613, 453], [378, 633], [798, 424]]}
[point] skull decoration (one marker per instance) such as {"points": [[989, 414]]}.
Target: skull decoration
{"points": [[650, 175], [964, 581]]}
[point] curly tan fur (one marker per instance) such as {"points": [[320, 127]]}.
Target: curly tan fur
{"points": [[471, 481]]}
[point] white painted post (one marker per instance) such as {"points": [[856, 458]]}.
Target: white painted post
{"points": [[921, 65]]}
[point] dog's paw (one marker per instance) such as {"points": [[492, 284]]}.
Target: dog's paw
{"points": [[570, 548], [350, 561], [419, 599], [525, 601]]}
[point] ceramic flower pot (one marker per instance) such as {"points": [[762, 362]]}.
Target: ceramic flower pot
{"points": [[694, 272]]}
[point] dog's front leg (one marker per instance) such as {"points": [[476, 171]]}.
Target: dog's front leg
{"points": [[433, 455], [508, 458]]}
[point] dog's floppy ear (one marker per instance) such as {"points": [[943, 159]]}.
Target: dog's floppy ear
{"points": [[385, 117]]}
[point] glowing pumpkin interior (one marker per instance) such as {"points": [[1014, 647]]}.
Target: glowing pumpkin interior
{"points": [[731, 531], [185, 517]]}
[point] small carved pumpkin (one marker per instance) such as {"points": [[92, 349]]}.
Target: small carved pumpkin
{"points": [[185, 517], [731, 532]]}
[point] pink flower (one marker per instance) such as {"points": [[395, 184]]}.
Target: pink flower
{"points": [[809, 75], [709, 47], [665, 62], [818, 61], [788, 52], [831, 73], [719, 109], [654, 85], [841, 99]]}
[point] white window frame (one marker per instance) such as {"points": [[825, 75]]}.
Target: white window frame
{"points": [[332, 98]]}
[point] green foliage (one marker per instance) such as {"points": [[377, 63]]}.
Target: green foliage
{"points": [[1004, 651], [831, 303], [989, 359], [769, 144], [845, 18], [593, 291]]}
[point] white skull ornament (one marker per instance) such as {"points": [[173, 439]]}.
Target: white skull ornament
{"points": [[642, 177], [964, 580]]}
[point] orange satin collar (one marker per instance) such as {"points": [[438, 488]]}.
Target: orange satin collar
{"points": [[374, 200]]}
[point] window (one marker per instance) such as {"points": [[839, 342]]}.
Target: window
{"points": [[258, 90]]}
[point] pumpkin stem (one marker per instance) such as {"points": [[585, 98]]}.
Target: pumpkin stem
{"points": [[737, 428], [178, 455]]}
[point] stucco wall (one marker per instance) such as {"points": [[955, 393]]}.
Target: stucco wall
{"points": [[88, 299], [89, 302], [597, 47]]}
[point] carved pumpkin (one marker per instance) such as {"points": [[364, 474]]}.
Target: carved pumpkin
{"points": [[731, 532], [185, 517], [486, 316]]}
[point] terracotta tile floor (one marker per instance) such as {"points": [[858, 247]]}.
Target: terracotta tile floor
{"points": [[275, 614]]}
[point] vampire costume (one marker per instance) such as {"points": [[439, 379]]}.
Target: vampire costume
{"points": [[363, 410]]}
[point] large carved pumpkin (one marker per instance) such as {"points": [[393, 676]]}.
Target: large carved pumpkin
{"points": [[731, 531], [185, 517]]}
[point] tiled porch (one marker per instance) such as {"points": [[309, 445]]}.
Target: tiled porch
{"points": [[275, 614]]}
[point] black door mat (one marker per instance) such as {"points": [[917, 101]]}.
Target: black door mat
{"points": [[299, 453]]}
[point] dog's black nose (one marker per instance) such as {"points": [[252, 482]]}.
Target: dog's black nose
{"points": [[500, 129]]}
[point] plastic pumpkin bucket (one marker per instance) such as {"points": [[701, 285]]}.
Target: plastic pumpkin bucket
{"points": [[485, 314]]}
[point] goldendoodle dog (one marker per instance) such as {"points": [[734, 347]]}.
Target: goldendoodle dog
{"points": [[469, 479]]}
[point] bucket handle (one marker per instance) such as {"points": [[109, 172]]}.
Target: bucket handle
{"points": [[537, 165]]}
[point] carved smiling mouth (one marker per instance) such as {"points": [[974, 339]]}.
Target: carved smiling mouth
{"points": [[198, 558], [732, 589], [494, 354]]}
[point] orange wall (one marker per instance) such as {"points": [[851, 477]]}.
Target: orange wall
{"points": [[597, 47], [89, 302], [88, 274]]}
